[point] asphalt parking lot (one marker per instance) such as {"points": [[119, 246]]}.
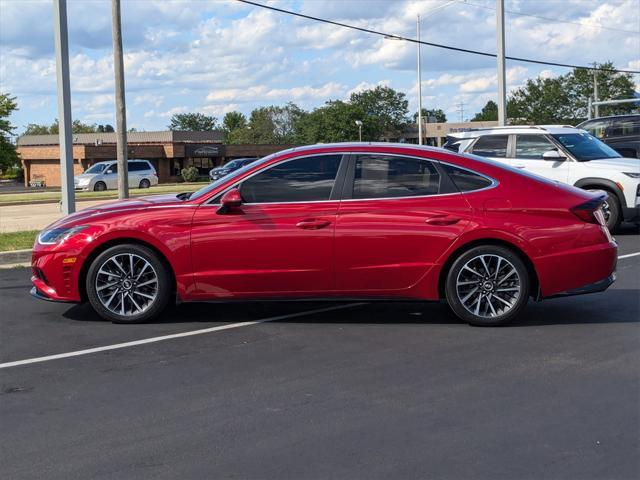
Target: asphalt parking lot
{"points": [[376, 390]]}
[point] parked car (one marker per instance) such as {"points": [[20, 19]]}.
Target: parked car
{"points": [[104, 176], [565, 154], [337, 221], [620, 132], [229, 167]]}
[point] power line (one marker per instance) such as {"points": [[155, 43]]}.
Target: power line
{"points": [[437, 45], [549, 19]]}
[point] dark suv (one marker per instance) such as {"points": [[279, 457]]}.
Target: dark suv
{"points": [[620, 132]]}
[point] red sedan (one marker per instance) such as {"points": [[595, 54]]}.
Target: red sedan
{"points": [[342, 221]]}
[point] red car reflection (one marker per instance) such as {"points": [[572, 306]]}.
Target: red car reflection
{"points": [[341, 221]]}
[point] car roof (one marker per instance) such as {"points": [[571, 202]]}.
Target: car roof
{"points": [[128, 160], [613, 117], [359, 145], [511, 129]]}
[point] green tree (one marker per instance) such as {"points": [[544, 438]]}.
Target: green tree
{"points": [[196, 122], [233, 121], [489, 112], [8, 154], [385, 110], [270, 125], [105, 128], [438, 113], [564, 99], [76, 127], [336, 122], [611, 86], [35, 129]]}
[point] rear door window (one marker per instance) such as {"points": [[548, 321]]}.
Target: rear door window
{"points": [[491, 146], [532, 147], [386, 176]]}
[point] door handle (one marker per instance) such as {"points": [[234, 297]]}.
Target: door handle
{"points": [[442, 220], [519, 166], [313, 224]]}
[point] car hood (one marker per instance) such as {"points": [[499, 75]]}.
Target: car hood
{"points": [[220, 170], [84, 175], [622, 164], [118, 206]]}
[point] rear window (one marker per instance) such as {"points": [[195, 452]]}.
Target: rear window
{"points": [[466, 180], [138, 166], [491, 146], [386, 176]]}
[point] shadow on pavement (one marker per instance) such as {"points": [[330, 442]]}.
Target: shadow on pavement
{"points": [[614, 306]]}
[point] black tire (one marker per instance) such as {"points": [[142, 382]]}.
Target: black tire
{"points": [[144, 183], [99, 187], [489, 289], [615, 212], [161, 289]]}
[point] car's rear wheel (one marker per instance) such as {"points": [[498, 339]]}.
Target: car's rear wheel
{"points": [[487, 285], [128, 284], [99, 187], [144, 183]]}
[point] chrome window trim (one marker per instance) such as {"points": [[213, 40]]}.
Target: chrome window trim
{"points": [[494, 182]]}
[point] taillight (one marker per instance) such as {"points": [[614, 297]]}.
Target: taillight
{"points": [[589, 211]]}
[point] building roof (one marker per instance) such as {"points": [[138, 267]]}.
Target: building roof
{"points": [[168, 136]]}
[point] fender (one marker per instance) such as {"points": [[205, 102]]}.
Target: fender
{"points": [[603, 183], [182, 273]]}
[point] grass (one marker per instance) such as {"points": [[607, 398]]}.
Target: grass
{"points": [[17, 240], [26, 197]]}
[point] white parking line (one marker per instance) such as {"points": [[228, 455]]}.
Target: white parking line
{"points": [[628, 255], [173, 335]]}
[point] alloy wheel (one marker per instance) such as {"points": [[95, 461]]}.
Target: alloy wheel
{"points": [[488, 286], [126, 284]]}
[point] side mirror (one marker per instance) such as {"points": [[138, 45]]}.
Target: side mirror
{"points": [[109, 172], [553, 156], [231, 199]]}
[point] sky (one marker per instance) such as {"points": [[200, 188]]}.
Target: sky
{"points": [[215, 56]]}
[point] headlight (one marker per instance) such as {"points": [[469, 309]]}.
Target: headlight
{"points": [[57, 235], [84, 181], [632, 174]]}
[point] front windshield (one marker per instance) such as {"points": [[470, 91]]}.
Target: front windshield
{"points": [[233, 164], [212, 186], [97, 168], [584, 146]]}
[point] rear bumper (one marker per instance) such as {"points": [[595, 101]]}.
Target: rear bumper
{"points": [[599, 286], [576, 271], [631, 214]]}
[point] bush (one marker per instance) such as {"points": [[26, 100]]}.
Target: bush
{"points": [[190, 174]]}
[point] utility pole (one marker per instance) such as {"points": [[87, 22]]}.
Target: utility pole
{"points": [[419, 87], [502, 91], [359, 124], [68, 202], [595, 94], [121, 112], [460, 109]]}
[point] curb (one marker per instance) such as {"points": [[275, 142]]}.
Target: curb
{"points": [[15, 256]]}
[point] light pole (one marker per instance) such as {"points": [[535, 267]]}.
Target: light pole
{"points": [[64, 106], [502, 90], [359, 124]]}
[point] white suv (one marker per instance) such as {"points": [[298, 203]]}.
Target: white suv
{"points": [[565, 154], [104, 176]]}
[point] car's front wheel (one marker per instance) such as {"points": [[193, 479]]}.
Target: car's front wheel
{"points": [[99, 187], [487, 285], [128, 284]]}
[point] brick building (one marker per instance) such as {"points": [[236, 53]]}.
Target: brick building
{"points": [[168, 151]]}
